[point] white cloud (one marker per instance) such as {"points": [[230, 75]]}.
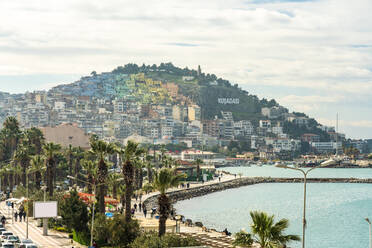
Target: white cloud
{"points": [[320, 47]]}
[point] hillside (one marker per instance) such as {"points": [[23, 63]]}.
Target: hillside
{"points": [[154, 84]]}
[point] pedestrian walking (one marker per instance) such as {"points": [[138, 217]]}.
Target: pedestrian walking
{"points": [[144, 212], [20, 216], [135, 207], [24, 215], [16, 216], [3, 221], [140, 207]]}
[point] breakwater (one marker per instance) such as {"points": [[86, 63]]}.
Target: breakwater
{"points": [[189, 193]]}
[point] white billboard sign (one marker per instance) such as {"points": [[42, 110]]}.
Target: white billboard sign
{"points": [[45, 209]]}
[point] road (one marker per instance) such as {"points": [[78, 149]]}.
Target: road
{"points": [[54, 239]]}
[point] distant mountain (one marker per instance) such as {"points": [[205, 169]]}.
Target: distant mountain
{"points": [[167, 83]]}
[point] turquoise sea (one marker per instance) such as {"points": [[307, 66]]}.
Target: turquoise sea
{"points": [[335, 211]]}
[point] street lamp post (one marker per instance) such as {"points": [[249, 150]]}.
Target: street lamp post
{"points": [[28, 205], [304, 172], [45, 220], [93, 206], [370, 232]]}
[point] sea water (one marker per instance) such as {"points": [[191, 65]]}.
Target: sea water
{"points": [[335, 216]]}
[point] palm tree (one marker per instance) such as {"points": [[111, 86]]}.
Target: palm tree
{"points": [[11, 133], [149, 167], [22, 155], [166, 178], [35, 139], [130, 154], [51, 150], [90, 168], [268, 233], [122, 190], [37, 165], [101, 149], [198, 162], [114, 182], [70, 159]]}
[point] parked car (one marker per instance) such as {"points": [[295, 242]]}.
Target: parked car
{"points": [[7, 245], [2, 229], [12, 239], [4, 235], [27, 246], [26, 241]]}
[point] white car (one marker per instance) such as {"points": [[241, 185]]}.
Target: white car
{"points": [[27, 246], [7, 245], [4, 235], [12, 239]]}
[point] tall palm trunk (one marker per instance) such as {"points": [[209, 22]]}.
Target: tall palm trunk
{"points": [[122, 199], [77, 167], [114, 191], [149, 174], [102, 173], [50, 177], [70, 165], [11, 182], [90, 179], [140, 182], [24, 167], [128, 172], [38, 179], [164, 209]]}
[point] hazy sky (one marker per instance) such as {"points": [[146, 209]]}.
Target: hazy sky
{"points": [[312, 56]]}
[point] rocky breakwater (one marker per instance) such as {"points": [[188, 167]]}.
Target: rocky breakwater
{"points": [[185, 194]]}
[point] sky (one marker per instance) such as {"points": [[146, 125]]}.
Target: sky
{"points": [[313, 56]]}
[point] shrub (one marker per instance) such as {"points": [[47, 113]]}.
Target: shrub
{"points": [[243, 239], [61, 229], [152, 240], [81, 237], [122, 233]]}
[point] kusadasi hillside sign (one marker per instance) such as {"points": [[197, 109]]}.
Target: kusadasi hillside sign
{"points": [[228, 100]]}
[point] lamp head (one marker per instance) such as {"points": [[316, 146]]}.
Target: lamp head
{"points": [[369, 222]]}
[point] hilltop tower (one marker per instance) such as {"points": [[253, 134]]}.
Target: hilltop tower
{"points": [[199, 70]]}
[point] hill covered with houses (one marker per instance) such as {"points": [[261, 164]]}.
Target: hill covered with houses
{"points": [[169, 104]]}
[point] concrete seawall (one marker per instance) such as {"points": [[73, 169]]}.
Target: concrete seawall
{"points": [[185, 194]]}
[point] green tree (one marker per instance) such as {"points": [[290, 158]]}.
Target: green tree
{"points": [[165, 179], [114, 183], [122, 233], [74, 212], [101, 149], [35, 139], [11, 134], [198, 162], [268, 233], [22, 156], [37, 165], [51, 150], [90, 169], [129, 155]]}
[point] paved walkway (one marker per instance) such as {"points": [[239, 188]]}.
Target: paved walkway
{"points": [[54, 239]]}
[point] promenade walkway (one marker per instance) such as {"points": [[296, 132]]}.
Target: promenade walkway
{"points": [[54, 239]]}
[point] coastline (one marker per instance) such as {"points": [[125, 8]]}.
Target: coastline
{"points": [[184, 194]]}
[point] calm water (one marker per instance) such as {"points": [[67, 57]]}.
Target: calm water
{"points": [[272, 171], [335, 212]]}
